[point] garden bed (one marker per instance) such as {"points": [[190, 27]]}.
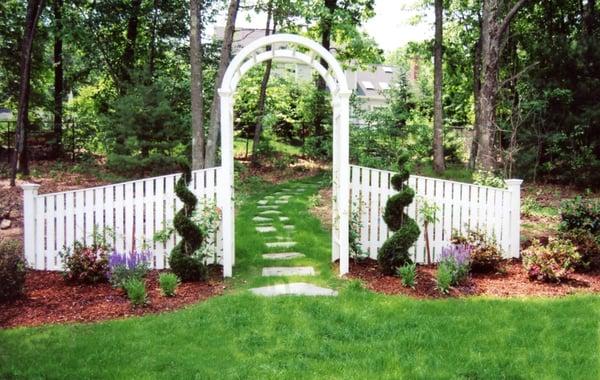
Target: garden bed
{"points": [[48, 299], [512, 281]]}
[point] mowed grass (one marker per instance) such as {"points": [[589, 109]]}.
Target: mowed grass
{"points": [[358, 335]]}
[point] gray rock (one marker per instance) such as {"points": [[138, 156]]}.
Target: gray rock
{"points": [[5, 224], [288, 271], [282, 256], [295, 288]]}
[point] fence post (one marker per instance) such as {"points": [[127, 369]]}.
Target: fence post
{"points": [[514, 187], [30, 192]]}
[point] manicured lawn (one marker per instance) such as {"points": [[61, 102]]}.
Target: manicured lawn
{"points": [[357, 335]]}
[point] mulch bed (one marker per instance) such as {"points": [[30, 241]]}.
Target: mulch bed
{"points": [[48, 299], [511, 282]]}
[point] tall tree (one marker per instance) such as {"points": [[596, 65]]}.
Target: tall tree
{"points": [[215, 109], [20, 160], [196, 84], [128, 60], [263, 86], [438, 117], [58, 76], [476, 101], [493, 29]]}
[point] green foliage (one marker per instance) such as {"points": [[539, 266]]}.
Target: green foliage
{"points": [[136, 292], [85, 264], [408, 274], [552, 262], [12, 270], [485, 178], [394, 251], [444, 278], [185, 260], [486, 255], [154, 164], [580, 213], [355, 225], [588, 247], [318, 148], [168, 283]]}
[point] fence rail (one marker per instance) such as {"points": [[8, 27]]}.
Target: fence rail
{"points": [[127, 214], [461, 205]]}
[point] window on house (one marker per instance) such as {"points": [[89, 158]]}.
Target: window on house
{"points": [[368, 85]]}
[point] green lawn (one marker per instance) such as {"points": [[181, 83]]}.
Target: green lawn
{"points": [[356, 335]]}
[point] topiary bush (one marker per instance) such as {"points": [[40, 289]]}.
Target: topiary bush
{"points": [[12, 270], [185, 261], [394, 252]]}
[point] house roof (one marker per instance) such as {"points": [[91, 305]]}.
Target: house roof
{"points": [[374, 80]]}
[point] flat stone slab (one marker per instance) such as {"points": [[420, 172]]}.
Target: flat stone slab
{"points": [[285, 197], [289, 227], [281, 244], [268, 207], [263, 202], [269, 197], [284, 218], [288, 271], [265, 229], [270, 212], [295, 289], [282, 256], [281, 201], [262, 219]]}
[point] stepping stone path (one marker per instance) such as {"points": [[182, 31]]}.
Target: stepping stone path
{"points": [[269, 208], [288, 271], [295, 288]]}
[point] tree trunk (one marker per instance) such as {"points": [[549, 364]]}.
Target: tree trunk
{"points": [[196, 84], [438, 119], [215, 108], [20, 160], [492, 30], [153, 31], [326, 29], [58, 78], [128, 57], [476, 93], [263, 90]]}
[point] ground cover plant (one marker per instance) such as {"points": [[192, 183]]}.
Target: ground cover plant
{"points": [[168, 283]]}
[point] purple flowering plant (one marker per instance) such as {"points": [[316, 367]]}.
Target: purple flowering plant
{"points": [[457, 259], [126, 266]]}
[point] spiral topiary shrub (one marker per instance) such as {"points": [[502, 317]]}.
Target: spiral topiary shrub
{"points": [[184, 260], [394, 252]]}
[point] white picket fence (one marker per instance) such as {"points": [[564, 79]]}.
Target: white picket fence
{"points": [[126, 214], [461, 205]]}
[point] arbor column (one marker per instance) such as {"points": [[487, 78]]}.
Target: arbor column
{"points": [[226, 182]]}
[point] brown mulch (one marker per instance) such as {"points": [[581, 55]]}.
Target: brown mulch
{"points": [[512, 281], [300, 169], [49, 299]]}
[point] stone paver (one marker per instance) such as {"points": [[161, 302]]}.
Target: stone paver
{"points": [[263, 202], [288, 271], [270, 212], [281, 201], [284, 218], [281, 244], [289, 227], [265, 229], [262, 219], [295, 288], [282, 256], [268, 207]]}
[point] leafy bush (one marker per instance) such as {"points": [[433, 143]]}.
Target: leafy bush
{"points": [[394, 252], [580, 213], [123, 267], [354, 226], [12, 270], [168, 283], [588, 247], [284, 161], [136, 292], [485, 178], [552, 262], [486, 255], [457, 260], [85, 264], [444, 278], [408, 275], [154, 164], [318, 147]]}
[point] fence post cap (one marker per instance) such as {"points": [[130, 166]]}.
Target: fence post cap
{"points": [[29, 186], [514, 182]]}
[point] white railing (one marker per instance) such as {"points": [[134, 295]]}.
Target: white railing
{"points": [[461, 205], [126, 214]]}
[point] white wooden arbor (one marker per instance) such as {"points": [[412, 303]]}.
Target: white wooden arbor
{"points": [[289, 47]]}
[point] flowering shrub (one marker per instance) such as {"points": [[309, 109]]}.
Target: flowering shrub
{"points": [[485, 254], [12, 269], [456, 258], [125, 266], [85, 264], [552, 262]]}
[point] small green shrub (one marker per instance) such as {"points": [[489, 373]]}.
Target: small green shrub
{"points": [[444, 278], [588, 247], [486, 255], [580, 213], [486, 178], [284, 161], [168, 283], [12, 270], [136, 292], [552, 262], [354, 227], [318, 147], [85, 264], [408, 275]]}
